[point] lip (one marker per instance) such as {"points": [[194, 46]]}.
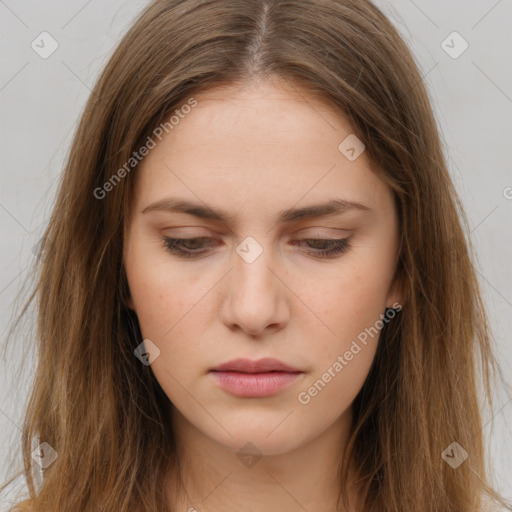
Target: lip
{"points": [[267, 364], [261, 378]]}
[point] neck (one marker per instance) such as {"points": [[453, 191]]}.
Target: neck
{"points": [[211, 477]]}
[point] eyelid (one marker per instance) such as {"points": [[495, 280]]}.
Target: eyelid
{"points": [[322, 232], [314, 232], [337, 246], [187, 231]]}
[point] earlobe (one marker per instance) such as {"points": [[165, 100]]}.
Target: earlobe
{"points": [[128, 299], [129, 303], [127, 295], [396, 295]]}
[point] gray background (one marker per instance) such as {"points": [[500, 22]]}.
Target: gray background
{"points": [[41, 100]]}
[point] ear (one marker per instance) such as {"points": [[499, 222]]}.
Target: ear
{"points": [[128, 298], [127, 294], [396, 293], [129, 303]]}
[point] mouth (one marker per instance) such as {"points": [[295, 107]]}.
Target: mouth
{"points": [[265, 365], [257, 379]]}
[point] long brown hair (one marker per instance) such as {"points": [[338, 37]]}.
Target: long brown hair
{"points": [[105, 414]]}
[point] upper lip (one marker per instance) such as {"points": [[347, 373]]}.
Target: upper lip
{"points": [[266, 364]]}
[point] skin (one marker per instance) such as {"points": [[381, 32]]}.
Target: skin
{"points": [[253, 152]]}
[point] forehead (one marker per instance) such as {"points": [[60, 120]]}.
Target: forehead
{"points": [[273, 114], [268, 143]]}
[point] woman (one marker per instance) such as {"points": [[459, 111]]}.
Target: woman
{"points": [[256, 278]]}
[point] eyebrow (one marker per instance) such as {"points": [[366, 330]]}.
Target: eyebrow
{"points": [[330, 208]]}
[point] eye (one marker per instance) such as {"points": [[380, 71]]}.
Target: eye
{"points": [[187, 247], [194, 247], [326, 247]]}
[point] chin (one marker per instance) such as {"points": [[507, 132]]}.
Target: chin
{"points": [[271, 437]]}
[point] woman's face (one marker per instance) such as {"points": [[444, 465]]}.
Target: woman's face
{"points": [[264, 274]]}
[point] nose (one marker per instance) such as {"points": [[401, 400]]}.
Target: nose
{"points": [[255, 299]]}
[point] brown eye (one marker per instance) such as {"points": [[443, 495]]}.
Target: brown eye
{"points": [[326, 247], [192, 247], [187, 247]]}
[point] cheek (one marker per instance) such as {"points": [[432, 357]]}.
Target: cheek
{"points": [[350, 307], [161, 294], [348, 303], [171, 307]]}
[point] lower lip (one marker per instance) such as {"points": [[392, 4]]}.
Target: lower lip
{"points": [[254, 384]]}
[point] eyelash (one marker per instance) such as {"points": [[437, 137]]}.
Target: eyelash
{"points": [[338, 246]]}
